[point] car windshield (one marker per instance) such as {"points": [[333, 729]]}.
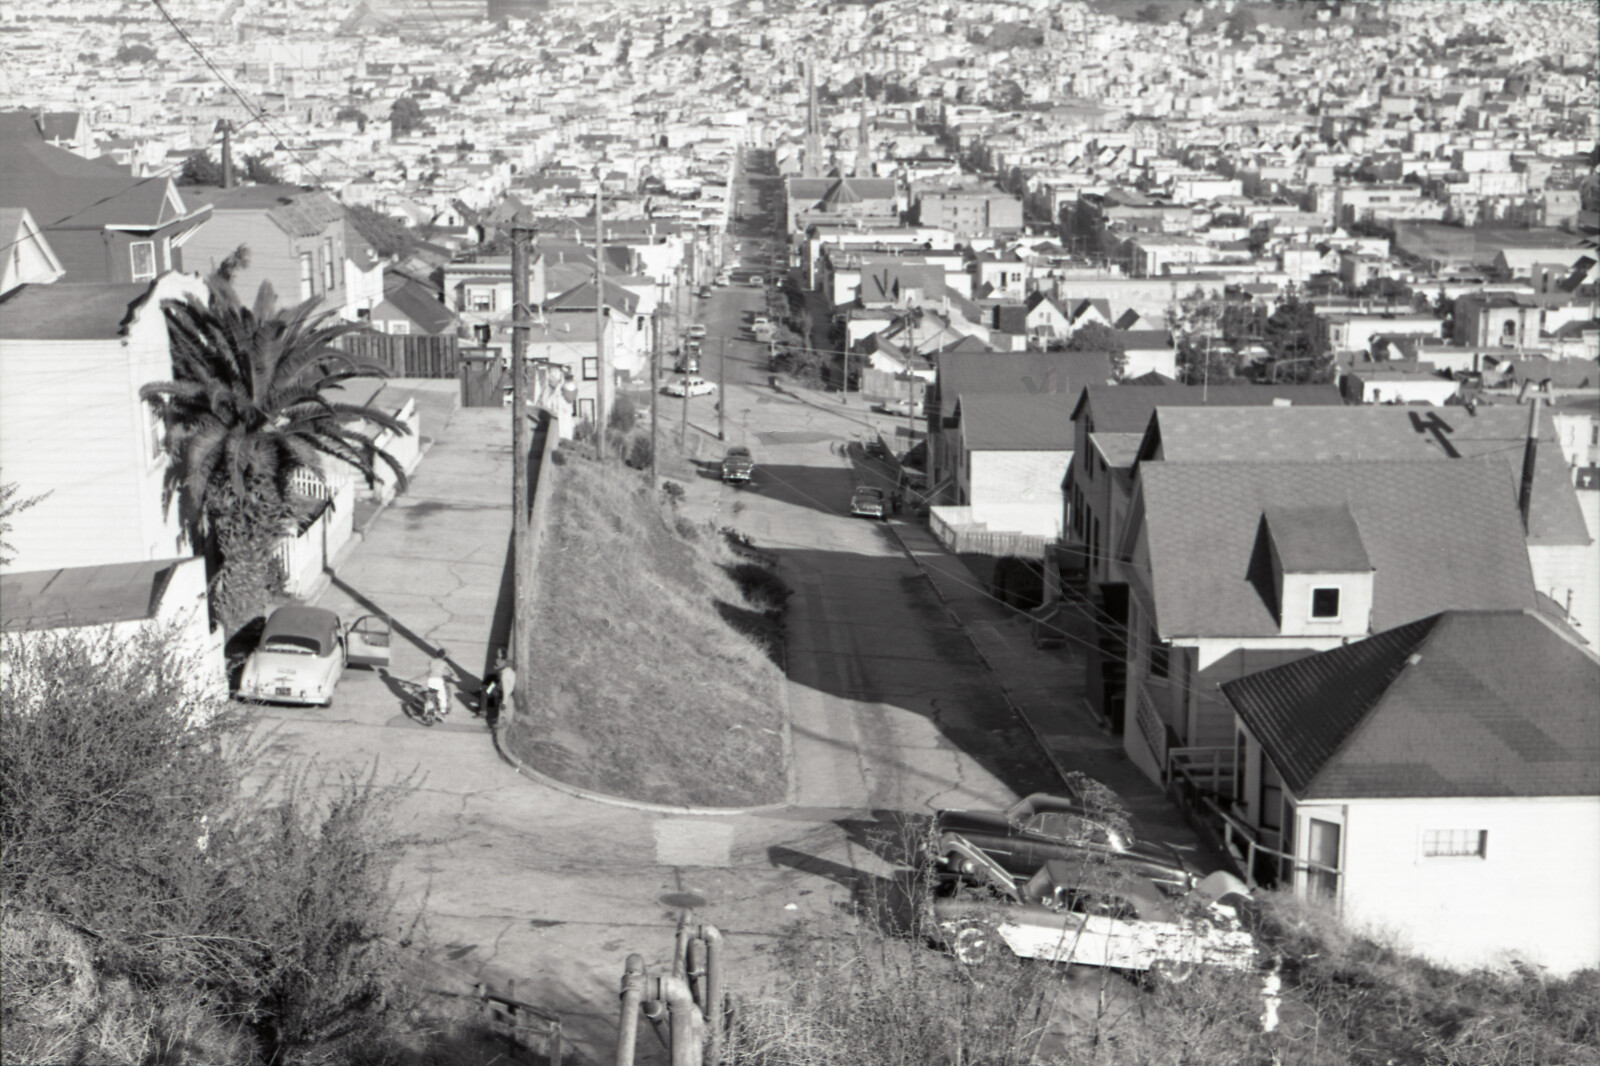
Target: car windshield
{"points": [[291, 644]]}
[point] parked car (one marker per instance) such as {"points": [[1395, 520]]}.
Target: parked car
{"points": [[688, 361], [760, 322], [737, 465], [1099, 915], [697, 331], [876, 449], [902, 408], [1042, 827], [299, 659], [690, 386], [869, 502], [704, 292]]}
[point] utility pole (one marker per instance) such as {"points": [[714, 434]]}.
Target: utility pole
{"points": [[602, 389], [522, 632], [722, 386], [655, 388], [911, 401], [227, 154]]}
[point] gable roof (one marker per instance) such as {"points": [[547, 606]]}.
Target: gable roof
{"points": [[418, 303], [1018, 373], [1369, 432], [1119, 409], [1458, 704], [581, 297], [61, 188], [1440, 536], [1009, 422]]}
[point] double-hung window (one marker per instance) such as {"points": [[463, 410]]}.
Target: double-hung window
{"points": [[307, 279], [143, 254]]}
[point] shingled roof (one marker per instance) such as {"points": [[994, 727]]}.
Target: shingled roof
{"points": [[1343, 434], [1458, 704], [1440, 536], [1020, 373], [1002, 422], [1119, 409]]}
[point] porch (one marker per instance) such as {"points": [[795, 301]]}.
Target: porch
{"points": [[1203, 782]]}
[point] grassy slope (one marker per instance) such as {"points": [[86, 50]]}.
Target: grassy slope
{"points": [[643, 687]]}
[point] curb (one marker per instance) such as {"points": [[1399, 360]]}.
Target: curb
{"points": [[617, 801], [1005, 691]]}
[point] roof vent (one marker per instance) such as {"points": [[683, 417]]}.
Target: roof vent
{"points": [[1414, 658]]}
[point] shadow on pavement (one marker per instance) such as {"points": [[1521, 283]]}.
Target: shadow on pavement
{"points": [[890, 903], [469, 680]]}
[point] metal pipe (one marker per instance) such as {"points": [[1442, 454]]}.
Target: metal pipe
{"points": [[696, 974], [688, 1027], [715, 1009], [632, 998], [680, 946], [656, 1012]]}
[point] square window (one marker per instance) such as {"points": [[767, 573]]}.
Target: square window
{"points": [[1455, 843], [1325, 603]]}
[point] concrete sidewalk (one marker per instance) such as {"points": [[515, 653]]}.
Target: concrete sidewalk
{"points": [[1048, 688]]}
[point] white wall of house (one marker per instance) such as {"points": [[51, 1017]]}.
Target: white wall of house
{"points": [[1570, 575], [72, 424], [1408, 389], [1150, 361], [1532, 894], [363, 288], [1016, 491]]}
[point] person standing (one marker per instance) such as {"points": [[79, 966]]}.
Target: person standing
{"points": [[506, 678], [438, 679]]}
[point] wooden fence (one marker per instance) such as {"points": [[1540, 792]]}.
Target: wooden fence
{"points": [[407, 356]]}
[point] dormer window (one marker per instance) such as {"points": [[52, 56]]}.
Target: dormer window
{"points": [[1325, 604]]}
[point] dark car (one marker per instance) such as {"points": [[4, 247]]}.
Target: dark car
{"points": [[869, 502], [737, 465], [875, 449], [1042, 827]]}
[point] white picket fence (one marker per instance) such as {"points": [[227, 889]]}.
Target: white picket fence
{"points": [[305, 556]]}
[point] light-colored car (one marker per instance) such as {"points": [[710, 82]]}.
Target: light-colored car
{"points": [[299, 659], [902, 408], [689, 386], [698, 331], [869, 502], [1095, 914]]}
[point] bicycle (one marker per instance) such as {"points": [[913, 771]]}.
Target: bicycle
{"points": [[432, 708]]}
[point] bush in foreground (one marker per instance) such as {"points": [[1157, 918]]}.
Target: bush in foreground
{"points": [[152, 910]]}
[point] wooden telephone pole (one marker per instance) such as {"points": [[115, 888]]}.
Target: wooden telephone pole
{"points": [[521, 624], [602, 387]]}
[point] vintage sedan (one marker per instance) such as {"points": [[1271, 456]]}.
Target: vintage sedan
{"points": [[737, 465], [299, 659], [1041, 827], [869, 502], [1095, 912], [689, 386]]}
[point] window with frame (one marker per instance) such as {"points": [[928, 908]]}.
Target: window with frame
{"points": [[1325, 604], [591, 368], [154, 434], [396, 326], [1455, 843], [480, 299], [143, 255], [307, 280], [327, 263]]}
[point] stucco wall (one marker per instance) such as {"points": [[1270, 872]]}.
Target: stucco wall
{"points": [[1010, 487], [1533, 894], [1570, 573]]}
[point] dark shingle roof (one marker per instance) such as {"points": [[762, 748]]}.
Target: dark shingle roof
{"points": [[1440, 536], [1326, 434], [83, 595], [1123, 410], [298, 212], [1462, 703], [70, 311], [1019, 373], [1005, 422], [1317, 540]]}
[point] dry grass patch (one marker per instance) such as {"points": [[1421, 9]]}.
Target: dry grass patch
{"points": [[651, 678]]}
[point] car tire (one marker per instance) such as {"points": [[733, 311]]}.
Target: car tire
{"points": [[972, 944]]}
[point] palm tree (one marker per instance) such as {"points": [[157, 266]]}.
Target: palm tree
{"points": [[245, 412]]}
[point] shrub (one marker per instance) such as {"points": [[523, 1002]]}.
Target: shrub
{"points": [[146, 895], [639, 451], [624, 414], [761, 587], [686, 529], [672, 492]]}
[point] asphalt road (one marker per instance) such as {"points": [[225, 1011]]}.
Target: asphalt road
{"points": [[893, 716]]}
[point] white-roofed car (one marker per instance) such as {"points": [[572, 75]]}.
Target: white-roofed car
{"points": [[299, 659], [691, 386]]}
